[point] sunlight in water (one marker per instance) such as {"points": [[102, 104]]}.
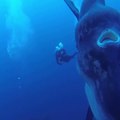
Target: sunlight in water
{"points": [[20, 27]]}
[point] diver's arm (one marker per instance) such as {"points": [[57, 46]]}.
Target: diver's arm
{"points": [[73, 8]]}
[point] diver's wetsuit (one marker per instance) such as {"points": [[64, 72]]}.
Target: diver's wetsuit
{"points": [[63, 57]]}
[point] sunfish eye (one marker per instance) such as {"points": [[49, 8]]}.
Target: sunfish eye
{"points": [[108, 37]]}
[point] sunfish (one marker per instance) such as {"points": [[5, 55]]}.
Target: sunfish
{"points": [[97, 36]]}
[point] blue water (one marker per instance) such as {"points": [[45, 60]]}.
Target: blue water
{"points": [[32, 85]]}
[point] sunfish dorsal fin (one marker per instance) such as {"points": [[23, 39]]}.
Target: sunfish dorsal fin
{"points": [[73, 8], [88, 4]]}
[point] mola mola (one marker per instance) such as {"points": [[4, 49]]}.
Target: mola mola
{"points": [[97, 37]]}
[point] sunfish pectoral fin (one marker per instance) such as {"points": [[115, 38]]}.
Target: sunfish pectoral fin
{"points": [[88, 4], [73, 8]]}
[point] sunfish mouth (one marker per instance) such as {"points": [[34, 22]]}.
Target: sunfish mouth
{"points": [[108, 37]]}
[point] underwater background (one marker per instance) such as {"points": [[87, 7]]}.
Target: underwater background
{"points": [[32, 85]]}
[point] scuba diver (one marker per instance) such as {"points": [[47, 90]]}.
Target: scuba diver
{"points": [[62, 56]]}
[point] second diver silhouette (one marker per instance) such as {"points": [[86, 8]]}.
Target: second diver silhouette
{"points": [[62, 56]]}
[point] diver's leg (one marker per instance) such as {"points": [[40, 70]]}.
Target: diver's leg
{"points": [[72, 56], [67, 58], [73, 8]]}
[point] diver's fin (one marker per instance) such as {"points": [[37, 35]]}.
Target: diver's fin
{"points": [[73, 8], [88, 4]]}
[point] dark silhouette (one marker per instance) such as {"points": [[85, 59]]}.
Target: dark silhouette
{"points": [[66, 58]]}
